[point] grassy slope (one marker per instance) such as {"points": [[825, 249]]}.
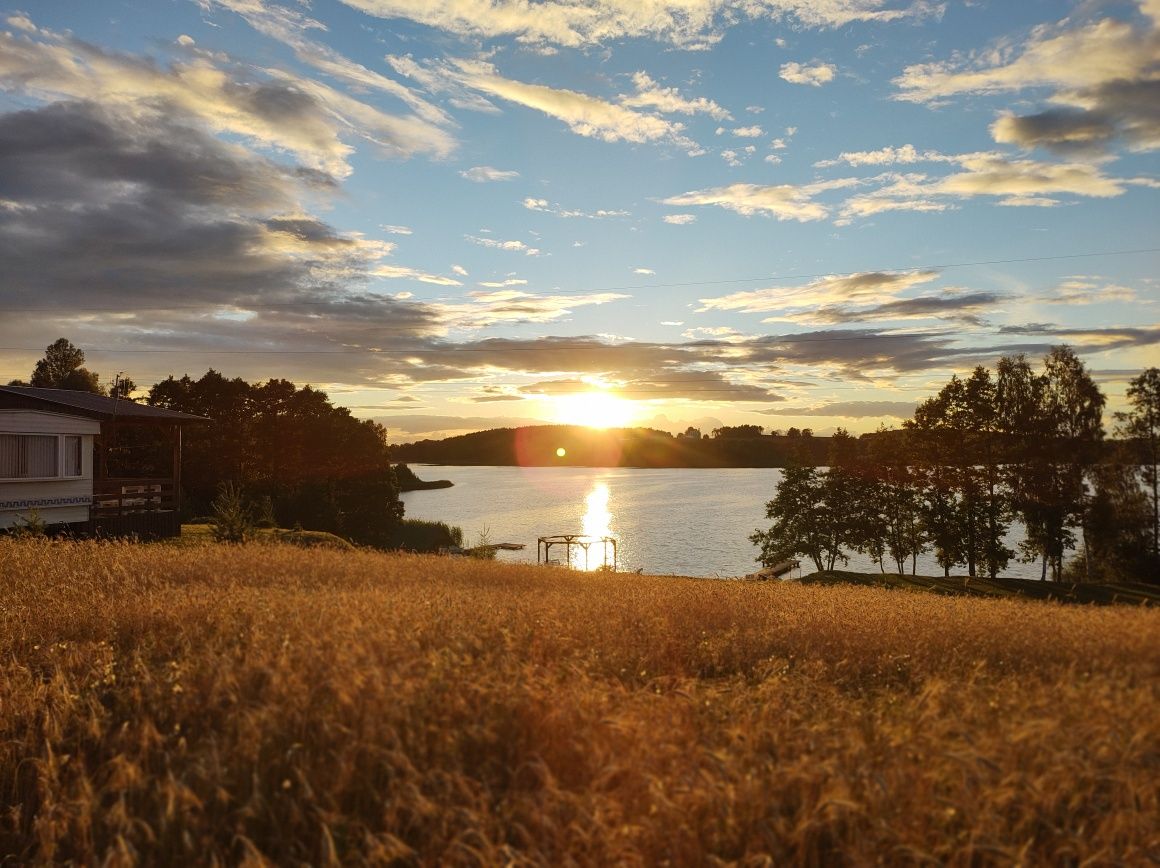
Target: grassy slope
{"points": [[1064, 592], [202, 534], [179, 705]]}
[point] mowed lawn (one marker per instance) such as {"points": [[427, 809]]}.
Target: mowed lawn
{"points": [[272, 704]]}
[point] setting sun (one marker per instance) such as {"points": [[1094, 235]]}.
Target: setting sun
{"points": [[594, 409]]}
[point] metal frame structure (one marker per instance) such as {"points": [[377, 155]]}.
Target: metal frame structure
{"points": [[544, 544]]}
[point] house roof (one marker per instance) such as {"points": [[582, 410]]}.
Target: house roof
{"points": [[90, 405]]}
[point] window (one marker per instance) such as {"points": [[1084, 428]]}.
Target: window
{"points": [[73, 464], [31, 456]]}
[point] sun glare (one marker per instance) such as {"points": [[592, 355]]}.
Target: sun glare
{"points": [[594, 409]]}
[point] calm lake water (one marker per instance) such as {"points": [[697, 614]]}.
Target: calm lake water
{"points": [[684, 522]]}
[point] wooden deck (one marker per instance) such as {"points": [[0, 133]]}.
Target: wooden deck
{"points": [[141, 507]]}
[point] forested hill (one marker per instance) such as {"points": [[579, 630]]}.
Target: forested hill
{"points": [[537, 446]]}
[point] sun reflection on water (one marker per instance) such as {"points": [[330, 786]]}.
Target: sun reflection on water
{"points": [[597, 523]]}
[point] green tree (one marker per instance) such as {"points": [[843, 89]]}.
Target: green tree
{"points": [[796, 511], [893, 500], [1073, 408], [63, 368], [1019, 396], [814, 511], [1117, 535], [1142, 424], [736, 432], [957, 428], [317, 464]]}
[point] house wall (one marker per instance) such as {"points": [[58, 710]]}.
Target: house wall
{"points": [[56, 501]]}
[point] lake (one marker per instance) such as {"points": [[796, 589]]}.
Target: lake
{"points": [[685, 522]]}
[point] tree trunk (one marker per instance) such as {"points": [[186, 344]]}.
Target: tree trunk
{"points": [[1155, 511], [970, 537], [1043, 572]]}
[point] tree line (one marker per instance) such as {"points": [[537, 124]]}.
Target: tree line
{"points": [[1016, 444], [298, 459]]}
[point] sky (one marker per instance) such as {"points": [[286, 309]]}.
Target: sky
{"points": [[454, 215]]}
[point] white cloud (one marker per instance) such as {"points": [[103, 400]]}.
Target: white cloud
{"points": [[783, 201], [506, 282], [393, 229], [668, 100], [814, 75], [680, 219], [688, 23], [1017, 183], [271, 108], [548, 208], [585, 115], [460, 270], [753, 132], [1103, 75], [644, 271], [1057, 56], [289, 26], [506, 305], [1084, 289], [512, 246], [398, 272], [23, 22], [886, 156], [865, 288], [487, 174]]}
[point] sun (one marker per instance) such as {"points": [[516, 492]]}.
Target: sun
{"points": [[594, 409]]}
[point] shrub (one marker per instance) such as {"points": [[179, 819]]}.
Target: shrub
{"points": [[233, 516], [31, 525], [417, 535]]}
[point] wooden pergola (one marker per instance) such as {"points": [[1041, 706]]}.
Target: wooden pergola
{"points": [[581, 542]]}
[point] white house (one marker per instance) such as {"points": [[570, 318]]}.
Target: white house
{"points": [[46, 467], [63, 457]]}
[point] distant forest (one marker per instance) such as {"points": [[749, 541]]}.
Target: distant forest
{"points": [[743, 446], [537, 445]]}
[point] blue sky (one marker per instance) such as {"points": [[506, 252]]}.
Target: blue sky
{"points": [[458, 214]]}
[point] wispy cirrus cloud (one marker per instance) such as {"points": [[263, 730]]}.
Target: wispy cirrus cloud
{"points": [[782, 201], [870, 287], [293, 28], [546, 207], [512, 246], [1014, 182], [689, 23], [1083, 289], [668, 100], [488, 174], [478, 83], [512, 306], [849, 409], [583, 114]]}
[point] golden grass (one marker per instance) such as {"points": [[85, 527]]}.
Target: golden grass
{"points": [[273, 704]]}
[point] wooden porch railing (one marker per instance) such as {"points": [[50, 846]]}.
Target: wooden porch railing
{"points": [[113, 497]]}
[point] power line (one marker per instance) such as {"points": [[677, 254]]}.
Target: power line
{"points": [[289, 305]]}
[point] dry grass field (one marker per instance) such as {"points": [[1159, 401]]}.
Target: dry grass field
{"points": [[275, 705]]}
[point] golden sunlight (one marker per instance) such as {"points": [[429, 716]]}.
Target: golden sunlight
{"points": [[597, 524], [594, 409]]}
